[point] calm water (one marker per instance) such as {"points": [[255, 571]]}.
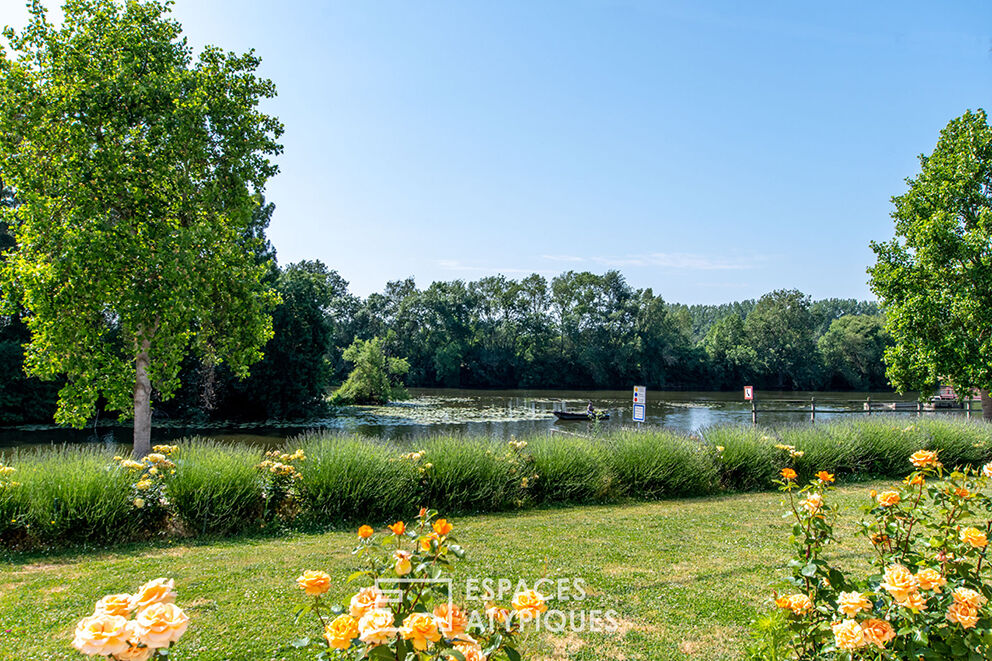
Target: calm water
{"points": [[499, 413]]}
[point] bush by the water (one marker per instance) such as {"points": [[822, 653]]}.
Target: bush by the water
{"points": [[82, 495]]}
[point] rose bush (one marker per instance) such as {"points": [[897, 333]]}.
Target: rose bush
{"points": [[927, 587], [408, 613]]}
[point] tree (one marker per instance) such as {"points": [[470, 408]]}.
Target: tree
{"points": [[137, 171], [934, 277], [779, 330], [852, 351], [375, 379]]}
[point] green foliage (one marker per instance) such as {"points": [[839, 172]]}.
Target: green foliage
{"points": [[133, 230], [852, 350], [375, 378], [780, 332], [934, 277], [569, 470], [216, 489], [660, 464], [462, 475]]}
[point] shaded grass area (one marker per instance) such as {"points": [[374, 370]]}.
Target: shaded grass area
{"points": [[684, 576]]}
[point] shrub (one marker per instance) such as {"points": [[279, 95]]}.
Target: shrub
{"points": [[569, 471], [473, 475], [658, 464], [747, 459], [216, 488]]}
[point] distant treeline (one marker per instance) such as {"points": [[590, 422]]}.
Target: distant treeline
{"points": [[577, 330]]}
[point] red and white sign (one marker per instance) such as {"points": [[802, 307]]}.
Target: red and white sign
{"points": [[748, 393]]}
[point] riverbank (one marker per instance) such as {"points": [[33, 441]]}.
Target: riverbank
{"points": [[86, 496]]}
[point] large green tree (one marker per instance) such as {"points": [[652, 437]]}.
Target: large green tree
{"points": [[934, 277], [137, 170]]}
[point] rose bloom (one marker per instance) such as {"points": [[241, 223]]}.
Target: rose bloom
{"points": [[963, 614], [813, 503], [470, 649], [114, 604], [961, 492], [366, 600], [848, 635], [159, 591], [877, 632], [135, 651], [825, 477], [969, 597], [900, 582], [376, 627], [365, 532], [914, 601], [914, 480], [341, 631], [421, 628], [452, 621], [442, 527], [160, 624], [529, 604], [426, 542], [398, 528], [788, 474], [889, 498], [924, 459], [852, 603], [930, 579], [403, 565], [975, 537], [101, 634], [314, 582], [987, 469]]}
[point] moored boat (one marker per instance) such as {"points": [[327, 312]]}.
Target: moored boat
{"points": [[571, 415]]}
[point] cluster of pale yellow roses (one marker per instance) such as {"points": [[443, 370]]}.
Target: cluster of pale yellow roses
{"points": [[5, 473], [150, 468], [158, 623], [280, 463]]}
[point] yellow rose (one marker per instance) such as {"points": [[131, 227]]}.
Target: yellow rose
{"points": [[924, 459], [848, 635], [852, 603], [930, 579], [139, 503], [968, 597], [813, 503], [889, 498], [497, 614], [900, 582], [160, 624], [963, 614], [403, 565], [974, 537], [914, 601], [421, 628], [101, 634], [143, 485], [341, 631], [114, 604], [799, 604], [314, 582], [155, 458], [159, 591], [366, 600], [136, 651], [470, 648], [877, 632], [451, 621], [529, 604], [376, 627]]}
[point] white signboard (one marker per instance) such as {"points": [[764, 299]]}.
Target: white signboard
{"points": [[640, 402], [748, 393]]}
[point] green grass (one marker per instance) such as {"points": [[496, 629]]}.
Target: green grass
{"points": [[684, 576]]}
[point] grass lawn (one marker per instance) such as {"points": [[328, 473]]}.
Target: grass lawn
{"points": [[685, 577]]}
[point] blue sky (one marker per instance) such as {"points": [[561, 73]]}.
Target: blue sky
{"points": [[711, 150]]}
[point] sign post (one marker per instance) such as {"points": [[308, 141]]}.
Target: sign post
{"points": [[749, 397], [640, 403]]}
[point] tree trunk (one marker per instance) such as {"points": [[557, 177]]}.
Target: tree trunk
{"points": [[986, 405], [142, 400]]}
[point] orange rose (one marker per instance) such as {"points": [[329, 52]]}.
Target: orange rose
{"points": [[423, 512], [872, 494], [924, 459], [159, 625], [101, 634], [427, 542], [852, 603], [914, 601], [968, 597], [900, 582], [963, 614], [848, 635], [889, 498], [914, 480], [930, 579], [470, 649], [442, 527], [497, 614], [788, 474], [398, 528], [825, 477], [421, 628], [365, 532], [799, 604], [878, 632], [367, 599], [314, 582], [135, 650], [974, 537], [451, 620], [813, 503], [341, 631], [376, 627], [529, 604], [114, 604], [159, 591]]}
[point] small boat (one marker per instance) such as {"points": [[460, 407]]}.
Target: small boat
{"points": [[570, 415]]}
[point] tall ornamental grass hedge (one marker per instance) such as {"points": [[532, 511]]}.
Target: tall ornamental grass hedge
{"points": [[82, 495]]}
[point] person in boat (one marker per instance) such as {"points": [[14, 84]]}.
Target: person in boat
{"points": [[590, 410]]}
